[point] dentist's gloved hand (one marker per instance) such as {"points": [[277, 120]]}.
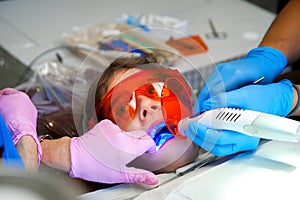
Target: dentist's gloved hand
{"points": [[274, 99], [220, 143], [101, 155], [260, 62], [20, 116]]}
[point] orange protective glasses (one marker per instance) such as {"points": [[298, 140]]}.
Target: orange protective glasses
{"points": [[160, 84]]}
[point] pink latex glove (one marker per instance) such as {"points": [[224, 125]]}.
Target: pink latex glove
{"points": [[102, 153], [20, 115]]}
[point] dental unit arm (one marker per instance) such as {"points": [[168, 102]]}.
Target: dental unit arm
{"points": [[248, 122]]}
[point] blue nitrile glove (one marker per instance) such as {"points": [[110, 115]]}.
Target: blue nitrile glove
{"points": [[275, 98], [260, 62], [220, 143]]}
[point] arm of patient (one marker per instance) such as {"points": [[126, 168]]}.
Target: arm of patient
{"points": [[56, 153], [101, 155], [26, 147]]}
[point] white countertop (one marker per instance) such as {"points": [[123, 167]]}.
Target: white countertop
{"points": [[30, 27]]}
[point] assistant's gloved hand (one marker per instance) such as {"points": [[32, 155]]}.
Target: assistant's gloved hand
{"points": [[274, 99], [260, 62], [103, 152], [20, 116]]}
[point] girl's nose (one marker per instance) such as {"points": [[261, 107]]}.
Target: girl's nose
{"points": [[148, 107]]}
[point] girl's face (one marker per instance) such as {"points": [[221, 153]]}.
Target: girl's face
{"points": [[148, 113]]}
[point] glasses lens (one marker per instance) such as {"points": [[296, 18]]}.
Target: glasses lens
{"points": [[151, 90], [177, 104]]}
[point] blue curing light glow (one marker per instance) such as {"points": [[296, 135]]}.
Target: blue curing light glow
{"points": [[160, 134]]}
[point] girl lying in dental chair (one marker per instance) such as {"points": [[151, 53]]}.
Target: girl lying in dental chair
{"points": [[128, 139]]}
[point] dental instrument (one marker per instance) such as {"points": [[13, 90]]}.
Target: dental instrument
{"points": [[248, 122], [202, 160], [214, 34]]}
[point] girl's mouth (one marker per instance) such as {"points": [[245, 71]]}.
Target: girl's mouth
{"points": [[160, 134]]}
